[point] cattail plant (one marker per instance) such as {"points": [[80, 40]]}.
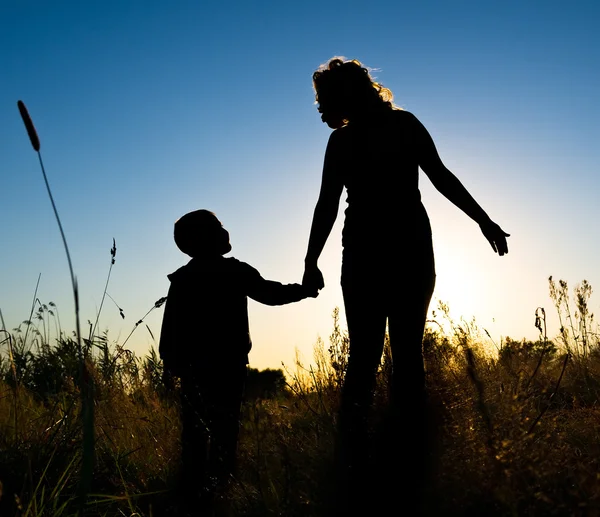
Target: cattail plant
{"points": [[87, 403]]}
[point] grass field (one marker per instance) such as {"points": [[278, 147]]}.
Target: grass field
{"points": [[516, 425]]}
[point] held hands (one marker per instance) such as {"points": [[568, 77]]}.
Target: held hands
{"points": [[496, 236], [310, 292], [312, 280]]}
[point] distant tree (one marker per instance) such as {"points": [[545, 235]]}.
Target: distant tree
{"points": [[525, 349], [265, 384]]}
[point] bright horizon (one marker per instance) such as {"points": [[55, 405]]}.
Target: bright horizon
{"points": [[145, 112]]}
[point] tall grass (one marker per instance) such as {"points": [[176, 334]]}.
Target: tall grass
{"points": [[84, 348], [516, 427], [87, 388]]}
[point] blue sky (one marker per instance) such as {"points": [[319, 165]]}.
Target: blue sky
{"points": [[147, 110]]}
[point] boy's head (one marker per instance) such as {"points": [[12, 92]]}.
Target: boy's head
{"points": [[200, 233]]}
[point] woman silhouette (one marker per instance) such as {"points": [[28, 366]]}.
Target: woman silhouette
{"points": [[388, 272]]}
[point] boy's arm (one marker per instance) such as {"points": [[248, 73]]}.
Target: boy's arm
{"points": [[270, 292]]}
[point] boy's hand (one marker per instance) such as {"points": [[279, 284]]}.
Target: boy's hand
{"points": [[310, 292]]}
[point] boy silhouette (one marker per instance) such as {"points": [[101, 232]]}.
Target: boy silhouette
{"points": [[205, 341]]}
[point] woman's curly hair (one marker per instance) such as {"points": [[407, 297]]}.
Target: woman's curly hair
{"points": [[348, 85]]}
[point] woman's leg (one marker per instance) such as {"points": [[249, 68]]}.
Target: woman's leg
{"points": [[366, 320], [409, 427], [406, 328]]}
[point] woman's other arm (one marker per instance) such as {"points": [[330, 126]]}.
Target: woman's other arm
{"points": [[326, 211], [451, 187]]}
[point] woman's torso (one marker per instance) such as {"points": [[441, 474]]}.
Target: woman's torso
{"points": [[380, 171]]}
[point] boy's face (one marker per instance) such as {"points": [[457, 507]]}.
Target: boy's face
{"points": [[219, 237], [224, 241]]}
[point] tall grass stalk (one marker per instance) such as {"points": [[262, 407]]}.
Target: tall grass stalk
{"points": [[113, 253], [156, 305], [37, 285], [11, 359], [87, 402]]}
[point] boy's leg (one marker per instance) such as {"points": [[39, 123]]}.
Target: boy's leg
{"points": [[195, 440], [224, 420]]}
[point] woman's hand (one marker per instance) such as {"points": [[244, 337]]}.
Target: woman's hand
{"points": [[496, 236], [313, 278]]}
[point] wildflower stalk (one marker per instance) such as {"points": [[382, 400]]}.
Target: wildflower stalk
{"points": [[540, 324], [549, 401], [87, 403], [32, 309], [113, 252], [156, 305], [121, 313]]}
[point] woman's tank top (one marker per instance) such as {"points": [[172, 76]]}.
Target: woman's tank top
{"points": [[381, 176]]}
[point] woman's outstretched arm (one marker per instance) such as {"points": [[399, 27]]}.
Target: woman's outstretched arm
{"points": [[451, 187], [325, 213]]}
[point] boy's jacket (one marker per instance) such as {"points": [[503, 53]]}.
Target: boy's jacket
{"points": [[205, 322]]}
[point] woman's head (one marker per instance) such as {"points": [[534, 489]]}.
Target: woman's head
{"points": [[344, 89]]}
